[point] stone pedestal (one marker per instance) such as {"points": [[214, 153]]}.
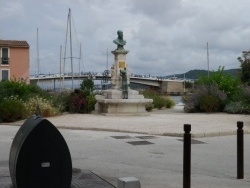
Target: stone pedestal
{"points": [[112, 100], [120, 64]]}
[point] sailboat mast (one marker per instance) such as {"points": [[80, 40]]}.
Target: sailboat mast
{"points": [[80, 58], [65, 48], [207, 61], [38, 59], [60, 61], [107, 59], [71, 53]]}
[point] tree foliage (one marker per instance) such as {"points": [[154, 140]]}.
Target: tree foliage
{"points": [[87, 86], [17, 88], [226, 83], [245, 67]]}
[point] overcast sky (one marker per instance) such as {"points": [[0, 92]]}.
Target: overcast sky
{"points": [[163, 36]]}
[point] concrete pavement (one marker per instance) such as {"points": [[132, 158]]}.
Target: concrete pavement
{"points": [[158, 164], [167, 122], [156, 161]]}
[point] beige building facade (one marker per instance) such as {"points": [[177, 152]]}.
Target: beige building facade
{"points": [[14, 62]]}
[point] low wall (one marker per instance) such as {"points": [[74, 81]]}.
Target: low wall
{"points": [[172, 87]]}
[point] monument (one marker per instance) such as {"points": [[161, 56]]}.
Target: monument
{"points": [[120, 99]]}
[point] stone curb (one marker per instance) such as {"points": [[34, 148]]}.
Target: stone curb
{"points": [[193, 135]]}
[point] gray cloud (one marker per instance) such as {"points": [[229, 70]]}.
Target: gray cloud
{"points": [[163, 36]]}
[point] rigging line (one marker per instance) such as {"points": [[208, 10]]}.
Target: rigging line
{"points": [[84, 68], [77, 41], [81, 59], [65, 48], [80, 62], [71, 57]]}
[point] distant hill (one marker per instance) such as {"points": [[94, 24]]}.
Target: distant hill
{"points": [[193, 74]]}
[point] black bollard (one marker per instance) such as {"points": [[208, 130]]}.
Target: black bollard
{"points": [[39, 156], [187, 156], [240, 150]]}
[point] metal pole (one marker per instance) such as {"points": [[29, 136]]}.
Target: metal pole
{"points": [[207, 61], [60, 78], [187, 156], [107, 59], [80, 58], [184, 83], [71, 53], [54, 84], [38, 59], [240, 150], [65, 49]]}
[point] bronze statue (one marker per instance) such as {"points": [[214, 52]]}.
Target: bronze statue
{"points": [[123, 74], [119, 41]]}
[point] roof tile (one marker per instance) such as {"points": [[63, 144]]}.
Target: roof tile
{"points": [[13, 43]]}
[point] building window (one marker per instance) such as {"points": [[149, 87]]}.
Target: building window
{"points": [[5, 75], [5, 56]]}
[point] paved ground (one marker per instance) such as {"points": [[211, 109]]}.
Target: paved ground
{"points": [[157, 162], [80, 179], [124, 150], [160, 122]]}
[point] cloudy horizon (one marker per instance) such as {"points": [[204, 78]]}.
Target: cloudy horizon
{"points": [[163, 37]]}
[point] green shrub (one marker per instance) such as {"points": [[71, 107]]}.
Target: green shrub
{"points": [[226, 83], [241, 105], [210, 103], [246, 94], [90, 105], [158, 101], [45, 107], [202, 96], [18, 88], [77, 102], [149, 107], [247, 109], [169, 103], [12, 110], [87, 86], [149, 93], [61, 100], [234, 107]]}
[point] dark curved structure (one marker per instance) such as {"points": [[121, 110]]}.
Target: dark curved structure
{"points": [[39, 156]]}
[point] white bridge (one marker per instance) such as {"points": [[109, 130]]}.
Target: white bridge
{"points": [[168, 86]]}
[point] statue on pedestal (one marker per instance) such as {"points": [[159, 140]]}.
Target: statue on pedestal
{"points": [[120, 99], [123, 74], [119, 41]]}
